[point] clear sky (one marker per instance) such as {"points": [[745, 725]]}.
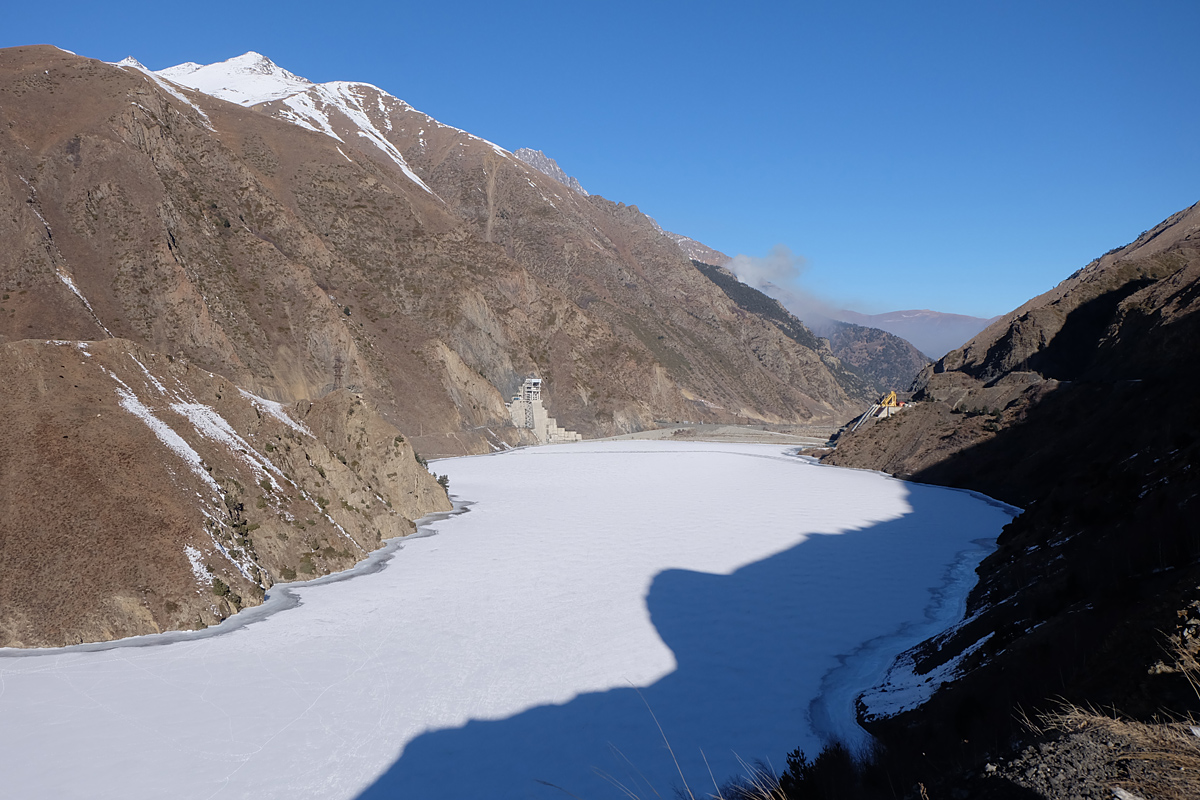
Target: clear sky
{"points": [[961, 156]]}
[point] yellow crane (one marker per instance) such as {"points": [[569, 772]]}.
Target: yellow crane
{"points": [[889, 400]]}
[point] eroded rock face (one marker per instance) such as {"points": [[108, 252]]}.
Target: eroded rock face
{"points": [[143, 494]]}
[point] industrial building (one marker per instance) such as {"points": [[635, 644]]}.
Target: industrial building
{"points": [[527, 411]]}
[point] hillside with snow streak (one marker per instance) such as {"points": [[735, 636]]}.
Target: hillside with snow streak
{"points": [[342, 110], [199, 495]]}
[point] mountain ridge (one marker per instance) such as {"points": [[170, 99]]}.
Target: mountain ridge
{"points": [[934, 333]]}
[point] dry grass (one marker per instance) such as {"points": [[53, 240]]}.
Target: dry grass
{"points": [[1159, 759]]}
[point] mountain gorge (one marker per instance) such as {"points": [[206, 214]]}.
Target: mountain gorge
{"points": [[309, 246]]}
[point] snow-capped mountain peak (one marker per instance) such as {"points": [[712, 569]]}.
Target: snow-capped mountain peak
{"points": [[252, 79], [179, 70], [342, 110], [248, 79]]}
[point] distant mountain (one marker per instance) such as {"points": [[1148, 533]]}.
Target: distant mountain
{"points": [[886, 361], [932, 332], [548, 166], [878, 361]]}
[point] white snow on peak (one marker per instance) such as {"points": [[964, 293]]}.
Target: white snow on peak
{"points": [[179, 70], [248, 79], [130, 61], [253, 79]]}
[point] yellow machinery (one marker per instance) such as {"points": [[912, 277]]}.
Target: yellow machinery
{"points": [[889, 400]]}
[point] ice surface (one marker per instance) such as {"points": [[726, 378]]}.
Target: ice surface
{"points": [[502, 654]]}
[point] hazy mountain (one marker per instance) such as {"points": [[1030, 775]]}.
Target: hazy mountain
{"points": [[874, 361], [326, 248], [934, 333], [886, 361], [1080, 406]]}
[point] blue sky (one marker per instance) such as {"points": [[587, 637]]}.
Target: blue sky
{"points": [[960, 156]]}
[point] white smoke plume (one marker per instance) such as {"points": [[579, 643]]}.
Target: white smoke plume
{"points": [[780, 267], [778, 274]]}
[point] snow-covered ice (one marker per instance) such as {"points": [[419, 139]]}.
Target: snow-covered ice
{"points": [[724, 587]]}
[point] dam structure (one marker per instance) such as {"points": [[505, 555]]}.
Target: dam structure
{"points": [[527, 411]]}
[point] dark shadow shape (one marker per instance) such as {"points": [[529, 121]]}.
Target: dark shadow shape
{"points": [[768, 612], [1083, 591], [1073, 348]]}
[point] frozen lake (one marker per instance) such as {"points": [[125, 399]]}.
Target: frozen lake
{"points": [[742, 594]]}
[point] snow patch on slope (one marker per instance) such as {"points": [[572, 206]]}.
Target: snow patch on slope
{"points": [[197, 561], [905, 688], [165, 433], [312, 110], [276, 411], [166, 85], [248, 79]]}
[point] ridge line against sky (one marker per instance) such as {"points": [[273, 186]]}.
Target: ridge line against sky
{"points": [[961, 157]]}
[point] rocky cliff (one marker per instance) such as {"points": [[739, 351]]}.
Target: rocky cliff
{"points": [[1080, 407], [548, 166]]}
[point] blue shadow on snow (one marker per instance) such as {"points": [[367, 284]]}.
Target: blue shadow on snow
{"points": [[751, 650]]}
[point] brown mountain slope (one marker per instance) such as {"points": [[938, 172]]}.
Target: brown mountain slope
{"points": [[132, 482], [244, 246], [1081, 407]]}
